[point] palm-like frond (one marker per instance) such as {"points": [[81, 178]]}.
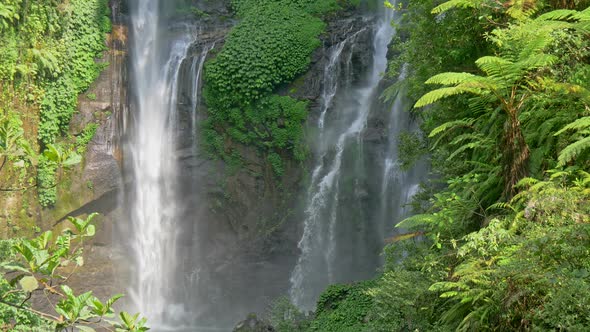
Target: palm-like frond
{"points": [[579, 124], [438, 94], [450, 125], [450, 78]]}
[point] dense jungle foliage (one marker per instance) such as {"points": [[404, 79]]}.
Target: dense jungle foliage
{"points": [[269, 47], [501, 236], [47, 58]]}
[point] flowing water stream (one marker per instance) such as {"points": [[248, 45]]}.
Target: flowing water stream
{"points": [[356, 193], [157, 59]]}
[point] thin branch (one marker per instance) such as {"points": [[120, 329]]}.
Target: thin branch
{"points": [[39, 313]]}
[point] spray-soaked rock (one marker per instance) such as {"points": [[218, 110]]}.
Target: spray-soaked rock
{"points": [[254, 324]]}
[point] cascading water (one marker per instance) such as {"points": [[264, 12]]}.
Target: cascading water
{"points": [[197, 72], [358, 190], [318, 264], [156, 63], [175, 283], [399, 185]]}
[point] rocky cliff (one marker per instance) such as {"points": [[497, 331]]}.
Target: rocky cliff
{"points": [[240, 224]]}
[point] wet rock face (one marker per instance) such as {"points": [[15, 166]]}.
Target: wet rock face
{"points": [[241, 225], [254, 324], [309, 86]]}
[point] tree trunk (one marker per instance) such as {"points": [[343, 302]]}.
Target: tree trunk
{"points": [[515, 153]]}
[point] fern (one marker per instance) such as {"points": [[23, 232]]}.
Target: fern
{"points": [[456, 4], [581, 123], [465, 147], [438, 94], [416, 222], [573, 150], [450, 78], [451, 125], [494, 66]]}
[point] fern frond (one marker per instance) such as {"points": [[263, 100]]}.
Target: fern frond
{"points": [[526, 182], [445, 6], [572, 151], [537, 61], [466, 137], [416, 221], [468, 146], [581, 123], [559, 174], [557, 15], [438, 94], [450, 78], [450, 125], [494, 66], [521, 9], [501, 206]]}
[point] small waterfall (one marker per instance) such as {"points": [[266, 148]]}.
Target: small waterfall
{"points": [[399, 185], [318, 262], [156, 64], [197, 71]]}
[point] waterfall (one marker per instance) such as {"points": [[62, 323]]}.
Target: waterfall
{"points": [[197, 71], [399, 185], [318, 262], [156, 64]]}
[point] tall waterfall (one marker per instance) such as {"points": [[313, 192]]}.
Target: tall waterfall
{"points": [[157, 58], [355, 195]]}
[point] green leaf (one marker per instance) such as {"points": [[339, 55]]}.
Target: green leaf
{"points": [[13, 267], [52, 153], [85, 328], [72, 160]]}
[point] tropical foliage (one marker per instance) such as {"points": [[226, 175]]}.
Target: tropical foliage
{"points": [[44, 265], [499, 241], [48, 50]]}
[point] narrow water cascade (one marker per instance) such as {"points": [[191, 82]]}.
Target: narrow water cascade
{"points": [[156, 63], [196, 70], [339, 148], [399, 184]]}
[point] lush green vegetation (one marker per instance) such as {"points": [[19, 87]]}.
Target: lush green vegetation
{"points": [[48, 50], [270, 46], [501, 235], [43, 265]]}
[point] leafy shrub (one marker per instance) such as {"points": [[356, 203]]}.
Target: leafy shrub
{"points": [[86, 24], [269, 47], [343, 308], [286, 317], [85, 137]]}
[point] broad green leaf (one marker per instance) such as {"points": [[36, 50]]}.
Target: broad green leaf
{"points": [[72, 160]]}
